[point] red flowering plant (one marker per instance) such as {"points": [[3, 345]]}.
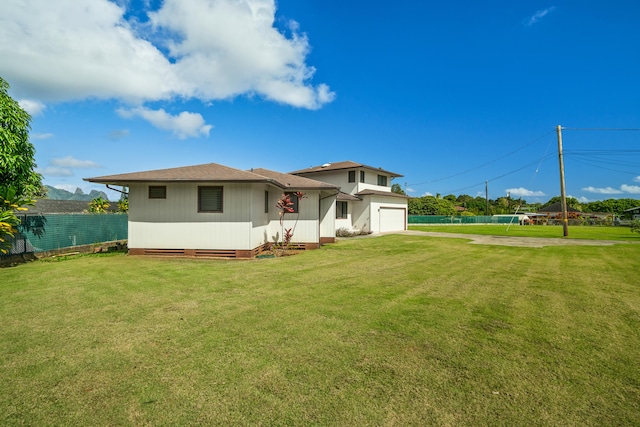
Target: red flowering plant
{"points": [[285, 206]]}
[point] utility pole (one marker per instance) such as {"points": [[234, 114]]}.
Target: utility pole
{"points": [[563, 194], [486, 197]]}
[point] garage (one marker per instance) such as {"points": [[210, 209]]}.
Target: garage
{"points": [[392, 219]]}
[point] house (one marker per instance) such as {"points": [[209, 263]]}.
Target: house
{"points": [[555, 210], [633, 213], [218, 211], [365, 202]]}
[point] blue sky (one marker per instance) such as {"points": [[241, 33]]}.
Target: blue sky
{"points": [[449, 94]]}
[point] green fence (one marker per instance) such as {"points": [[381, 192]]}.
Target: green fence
{"points": [[438, 219], [46, 232]]}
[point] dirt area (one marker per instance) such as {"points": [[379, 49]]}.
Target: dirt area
{"points": [[528, 242]]}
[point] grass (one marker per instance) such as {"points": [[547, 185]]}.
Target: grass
{"points": [[393, 330], [575, 232]]}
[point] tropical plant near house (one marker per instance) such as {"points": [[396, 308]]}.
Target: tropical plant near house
{"points": [[123, 205], [99, 205], [635, 226], [286, 205], [10, 203]]}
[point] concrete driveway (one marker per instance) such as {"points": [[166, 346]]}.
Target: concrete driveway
{"points": [[528, 242]]}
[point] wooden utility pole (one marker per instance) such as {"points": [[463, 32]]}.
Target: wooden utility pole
{"points": [[563, 194], [486, 197]]}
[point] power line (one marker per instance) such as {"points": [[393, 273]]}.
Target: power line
{"points": [[603, 129], [496, 178], [484, 164]]}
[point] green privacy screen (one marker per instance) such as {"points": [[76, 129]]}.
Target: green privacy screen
{"points": [[438, 219], [40, 233]]}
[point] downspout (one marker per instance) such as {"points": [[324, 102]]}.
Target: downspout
{"points": [[119, 191]]}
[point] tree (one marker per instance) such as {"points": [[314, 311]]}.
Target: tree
{"points": [[18, 180], [396, 188], [429, 205], [17, 154], [614, 206], [99, 205], [571, 201]]}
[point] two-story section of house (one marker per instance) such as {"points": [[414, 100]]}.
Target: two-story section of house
{"points": [[365, 202]]}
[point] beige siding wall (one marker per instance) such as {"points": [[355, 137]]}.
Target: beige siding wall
{"points": [[306, 226], [181, 204], [341, 179], [175, 223]]}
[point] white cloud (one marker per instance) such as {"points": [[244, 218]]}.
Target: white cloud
{"points": [[536, 17], [606, 190], [183, 125], [71, 162], [636, 179], [209, 50], [55, 171], [41, 135], [523, 192], [35, 108], [632, 189], [427, 194]]}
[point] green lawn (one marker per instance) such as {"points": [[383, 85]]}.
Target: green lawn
{"points": [[575, 232], [393, 330]]}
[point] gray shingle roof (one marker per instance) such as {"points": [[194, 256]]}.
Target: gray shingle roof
{"points": [[206, 172], [294, 181], [213, 172], [381, 193], [341, 165]]}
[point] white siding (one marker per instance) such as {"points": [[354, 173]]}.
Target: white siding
{"points": [[341, 179], [175, 223], [328, 214], [360, 215], [189, 235]]}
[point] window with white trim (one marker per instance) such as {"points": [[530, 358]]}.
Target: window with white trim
{"points": [[382, 180]]}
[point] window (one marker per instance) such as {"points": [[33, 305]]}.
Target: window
{"points": [[294, 200], [361, 176], [382, 180], [209, 199], [157, 191], [352, 176], [341, 210], [266, 202]]}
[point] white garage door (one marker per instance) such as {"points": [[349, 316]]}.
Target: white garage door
{"points": [[392, 219]]}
